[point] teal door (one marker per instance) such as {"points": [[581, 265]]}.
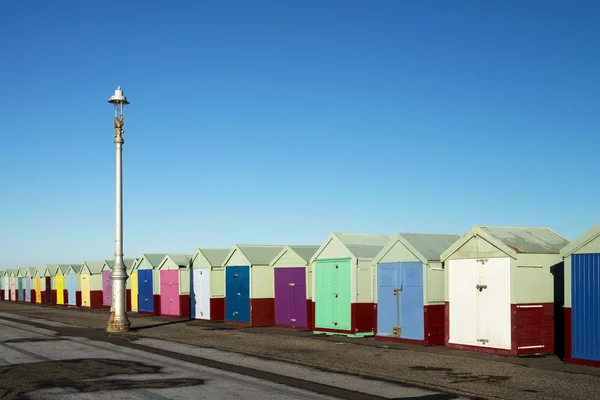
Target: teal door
{"points": [[332, 295]]}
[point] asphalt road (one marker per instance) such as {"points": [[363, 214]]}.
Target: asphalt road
{"points": [[55, 360]]}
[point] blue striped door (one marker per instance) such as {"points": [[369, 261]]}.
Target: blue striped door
{"points": [[237, 294], [585, 308], [71, 290], [145, 291], [400, 300]]}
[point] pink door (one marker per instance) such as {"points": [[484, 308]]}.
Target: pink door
{"points": [[106, 289], [169, 292], [13, 289]]}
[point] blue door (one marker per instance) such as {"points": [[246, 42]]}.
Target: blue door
{"points": [[145, 291], [585, 307], [71, 290], [400, 310], [28, 289], [237, 294], [20, 288]]}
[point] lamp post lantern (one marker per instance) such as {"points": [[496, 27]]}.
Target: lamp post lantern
{"points": [[118, 322]]}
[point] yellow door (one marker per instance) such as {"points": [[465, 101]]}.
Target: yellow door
{"points": [[134, 291], [38, 291], [60, 294], [85, 290]]}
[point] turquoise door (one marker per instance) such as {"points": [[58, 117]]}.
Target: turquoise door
{"points": [[71, 290], [400, 310], [237, 294], [332, 295], [20, 288]]}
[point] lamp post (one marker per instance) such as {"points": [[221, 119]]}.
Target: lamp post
{"points": [[118, 322]]}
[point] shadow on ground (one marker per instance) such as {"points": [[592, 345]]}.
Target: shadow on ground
{"points": [[141, 328], [22, 380]]}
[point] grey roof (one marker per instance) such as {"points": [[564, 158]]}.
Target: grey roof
{"points": [[154, 259], [94, 266], [42, 270], [260, 254], [64, 267], [77, 268], [181, 260], [215, 257], [528, 239], [305, 252], [431, 246], [32, 270], [363, 245], [127, 261]]}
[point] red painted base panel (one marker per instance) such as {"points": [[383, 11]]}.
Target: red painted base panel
{"points": [[157, 304], [43, 295], [363, 319], [217, 310], [532, 331], [95, 298], [128, 300], [262, 313], [433, 328], [32, 296], [53, 300], [2, 294]]}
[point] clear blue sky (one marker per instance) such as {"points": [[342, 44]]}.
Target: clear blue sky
{"points": [[276, 122]]}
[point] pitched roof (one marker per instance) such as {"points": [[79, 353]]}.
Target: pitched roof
{"points": [[154, 259], [181, 260], [259, 254], [127, 261], [431, 246], [363, 245], [42, 271], [305, 252], [94, 266], [581, 241], [528, 239], [64, 267], [77, 268], [215, 257], [32, 270]]}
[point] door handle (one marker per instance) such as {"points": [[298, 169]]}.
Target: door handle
{"points": [[239, 294], [293, 319], [292, 284]]}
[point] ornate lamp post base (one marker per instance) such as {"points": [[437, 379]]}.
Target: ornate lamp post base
{"points": [[117, 324]]}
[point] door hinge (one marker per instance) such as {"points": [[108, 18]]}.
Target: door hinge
{"points": [[482, 260], [483, 341]]}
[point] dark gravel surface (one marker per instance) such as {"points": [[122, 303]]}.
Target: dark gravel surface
{"points": [[478, 375]]}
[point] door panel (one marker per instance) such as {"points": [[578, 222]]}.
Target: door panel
{"points": [[85, 290], [145, 290], [201, 298], [71, 290], [106, 289], [6, 288], [169, 292], [134, 291], [175, 305], [585, 289], [463, 277], [298, 312], [412, 313], [333, 308], [38, 290], [388, 303], [48, 290], [283, 296], [237, 303], [494, 304], [28, 289]]}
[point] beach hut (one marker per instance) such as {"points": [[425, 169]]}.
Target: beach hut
{"points": [[343, 297], [42, 285], [53, 271], [13, 284], [21, 284], [207, 285], [148, 283], [500, 290], [292, 279], [30, 284], [249, 285], [132, 282], [582, 299], [107, 283], [91, 284], [174, 272], [4, 284], [409, 292], [73, 286], [62, 284]]}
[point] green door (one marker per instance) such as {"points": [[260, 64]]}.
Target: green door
{"points": [[332, 308]]}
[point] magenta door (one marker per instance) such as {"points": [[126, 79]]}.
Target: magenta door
{"points": [[169, 292], [290, 297], [106, 289]]}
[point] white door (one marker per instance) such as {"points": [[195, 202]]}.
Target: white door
{"points": [[463, 276], [494, 304], [202, 293]]}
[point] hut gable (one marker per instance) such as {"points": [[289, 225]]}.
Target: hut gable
{"points": [[248, 254], [351, 245]]}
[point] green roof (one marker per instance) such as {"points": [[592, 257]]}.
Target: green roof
{"points": [[305, 252], [127, 261], [32, 270], [181, 260], [94, 266], [528, 239], [431, 246], [363, 245], [581, 241], [154, 259], [215, 257], [260, 254]]}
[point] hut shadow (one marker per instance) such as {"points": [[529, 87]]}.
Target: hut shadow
{"points": [[429, 397], [178, 321], [558, 273], [84, 376]]}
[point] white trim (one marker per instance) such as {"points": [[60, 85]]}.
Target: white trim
{"points": [[530, 306], [531, 347]]}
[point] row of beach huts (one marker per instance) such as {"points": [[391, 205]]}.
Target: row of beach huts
{"points": [[505, 290]]}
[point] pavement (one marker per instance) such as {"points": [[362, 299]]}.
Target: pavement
{"points": [[362, 367]]}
